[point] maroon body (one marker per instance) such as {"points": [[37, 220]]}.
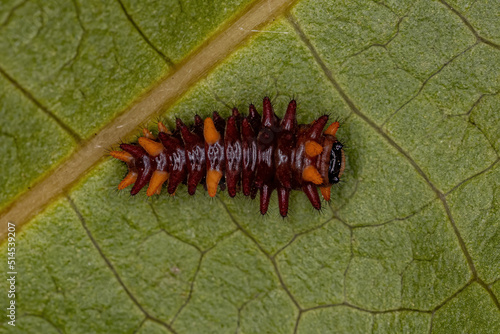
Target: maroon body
{"points": [[253, 153]]}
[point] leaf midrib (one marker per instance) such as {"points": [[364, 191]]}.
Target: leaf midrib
{"points": [[159, 97]]}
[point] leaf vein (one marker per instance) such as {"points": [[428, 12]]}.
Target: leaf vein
{"points": [[144, 37], [112, 268], [43, 108]]}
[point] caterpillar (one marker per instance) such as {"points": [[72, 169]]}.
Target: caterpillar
{"points": [[247, 154]]}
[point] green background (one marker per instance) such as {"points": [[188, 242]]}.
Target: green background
{"points": [[409, 243]]}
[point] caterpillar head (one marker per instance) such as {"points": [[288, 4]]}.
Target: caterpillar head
{"points": [[337, 163]]}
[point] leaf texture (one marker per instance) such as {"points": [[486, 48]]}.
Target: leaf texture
{"points": [[408, 244]]}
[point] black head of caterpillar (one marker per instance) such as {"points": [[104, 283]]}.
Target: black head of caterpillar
{"points": [[337, 161], [246, 154]]}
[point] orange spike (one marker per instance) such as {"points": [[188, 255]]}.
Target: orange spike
{"points": [[163, 128], [157, 180], [210, 133], [213, 178], [313, 149], [325, 191], [128, 180], [148, 134], [122, 155], [152, 147], [311, 174], [332, 129]]}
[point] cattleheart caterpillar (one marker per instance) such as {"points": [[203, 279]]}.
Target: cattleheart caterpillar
{"points": [[247, 154]]}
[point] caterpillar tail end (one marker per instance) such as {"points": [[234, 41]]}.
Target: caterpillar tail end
{"points": [[122, 155]]}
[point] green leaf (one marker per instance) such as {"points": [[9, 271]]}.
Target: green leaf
{"points": [[409, 242]]}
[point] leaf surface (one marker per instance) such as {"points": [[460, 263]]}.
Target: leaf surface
{"points": [[409, 242]]}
